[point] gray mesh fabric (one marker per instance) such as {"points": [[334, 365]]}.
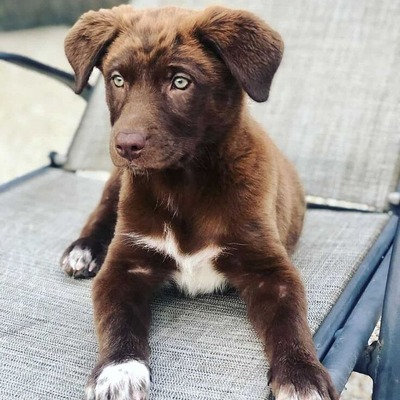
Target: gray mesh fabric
{"points": [[203, 348], [89, 149], [334, 108]]}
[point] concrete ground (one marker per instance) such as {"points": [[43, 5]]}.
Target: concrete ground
{"points": [[38, 115]]}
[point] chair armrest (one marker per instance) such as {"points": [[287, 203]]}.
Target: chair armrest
{"points": [[55, 73]]}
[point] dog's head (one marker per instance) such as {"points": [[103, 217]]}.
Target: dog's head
{"points": [[174, 78]]}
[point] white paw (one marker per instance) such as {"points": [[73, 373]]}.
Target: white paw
{"points": [[288, 392], [126, 381], [78, 259]]}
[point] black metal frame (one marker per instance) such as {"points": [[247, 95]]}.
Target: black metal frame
{"points": [[351, 339], [374, 291], [337, 317], [21, 179], [386, 375], [55, 73], [342, 337]]}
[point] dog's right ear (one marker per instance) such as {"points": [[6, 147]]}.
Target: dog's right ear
{"points": [[89, 38]]}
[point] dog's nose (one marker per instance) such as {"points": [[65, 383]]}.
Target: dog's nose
{"points": [[130, 145]]}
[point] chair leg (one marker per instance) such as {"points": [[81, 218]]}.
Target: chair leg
{"points": [[387, 382]]}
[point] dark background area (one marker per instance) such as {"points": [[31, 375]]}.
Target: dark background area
{"points": [[22, 14]]}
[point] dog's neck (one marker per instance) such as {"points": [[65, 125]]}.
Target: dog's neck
{"points": [[206, 179], [185, 184]]}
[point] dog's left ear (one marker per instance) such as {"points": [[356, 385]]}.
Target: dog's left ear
{"points": [[249, 47]]}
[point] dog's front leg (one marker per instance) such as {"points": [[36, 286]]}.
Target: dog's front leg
{"points": [[121, 296], [276, 304], [84, 257]]}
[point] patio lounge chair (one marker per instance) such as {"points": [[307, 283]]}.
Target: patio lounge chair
{"points": [[334, 109]]}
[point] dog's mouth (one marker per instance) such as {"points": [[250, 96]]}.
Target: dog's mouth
{"points": [[145, 163], [156, 155]]}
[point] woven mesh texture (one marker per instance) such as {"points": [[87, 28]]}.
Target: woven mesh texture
{"points": [[89, 149], [203, 348], [334, 107]]}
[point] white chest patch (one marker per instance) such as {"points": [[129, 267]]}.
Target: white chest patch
{"points": [[196, 273]]}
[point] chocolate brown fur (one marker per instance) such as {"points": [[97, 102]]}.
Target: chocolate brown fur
{"points": [[207, 172]]}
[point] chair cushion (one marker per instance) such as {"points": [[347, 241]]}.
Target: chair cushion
{"points": [[334, 107], [202, 348]]}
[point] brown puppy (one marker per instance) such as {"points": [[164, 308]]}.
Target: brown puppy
{"points": [[200, 197]]}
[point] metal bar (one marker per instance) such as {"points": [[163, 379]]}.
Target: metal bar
{"points": [[387, 383], [338, 205], [352, 338], [21, 179], [367, 362], [325, 335], [55, 73]]}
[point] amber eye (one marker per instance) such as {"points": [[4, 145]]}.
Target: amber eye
{"points": [[117, 79], [180, 82]]}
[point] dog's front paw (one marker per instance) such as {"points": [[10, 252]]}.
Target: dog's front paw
{"points": [[83, 258], [303, 381], [129, 380]]}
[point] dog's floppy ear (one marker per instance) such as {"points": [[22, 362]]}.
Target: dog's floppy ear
{"points": [[88, 39], [250, 48]]}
